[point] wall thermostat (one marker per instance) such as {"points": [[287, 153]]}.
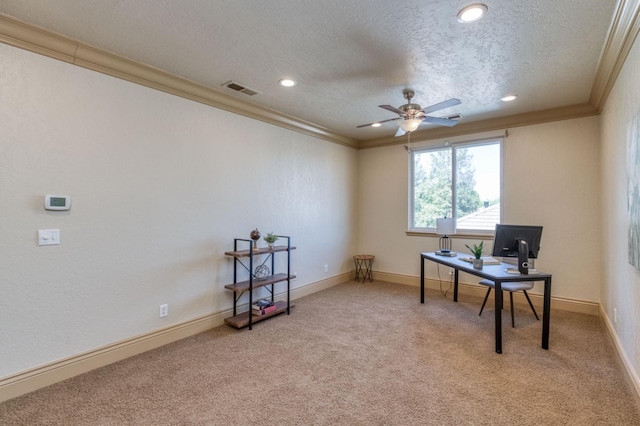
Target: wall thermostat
{"points": [[57, 202]]}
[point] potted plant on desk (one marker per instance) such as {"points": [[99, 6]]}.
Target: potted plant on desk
{"points": [[476, 250]]}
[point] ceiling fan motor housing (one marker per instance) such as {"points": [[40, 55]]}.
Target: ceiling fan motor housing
{"points": [[411, 109]]}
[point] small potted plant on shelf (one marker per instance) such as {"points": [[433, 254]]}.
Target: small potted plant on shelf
{"points": [[476, 250], [271, 238]]}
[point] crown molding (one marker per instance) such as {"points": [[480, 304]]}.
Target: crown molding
{"points": [[25, 36], [510, 121], [18, 34], [623, 32]]}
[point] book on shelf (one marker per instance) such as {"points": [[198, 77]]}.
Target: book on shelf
{"points": [[262, 304], [266, 310]]}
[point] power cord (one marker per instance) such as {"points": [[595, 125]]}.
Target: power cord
{"points": [[444, 292]]}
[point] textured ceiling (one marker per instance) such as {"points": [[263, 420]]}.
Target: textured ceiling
{"points": [[351, 56]]}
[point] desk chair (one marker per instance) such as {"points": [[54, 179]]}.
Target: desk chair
{"points": [[510, 287]]}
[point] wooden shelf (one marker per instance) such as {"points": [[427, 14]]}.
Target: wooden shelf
{"points": [[242, 320], [260, 250], [245, 285]]}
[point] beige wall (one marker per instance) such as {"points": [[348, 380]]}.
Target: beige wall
{"points": [[160, 186], [621, 281], [551, 178]]}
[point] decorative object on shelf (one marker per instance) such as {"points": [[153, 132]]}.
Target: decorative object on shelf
{"points": [[264, 307], [262, 304], [261, 273], [445, 227], [255, 236], [476, 250], [271, 238]]}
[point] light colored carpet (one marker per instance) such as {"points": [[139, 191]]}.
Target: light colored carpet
{"points": [[356, 354]]}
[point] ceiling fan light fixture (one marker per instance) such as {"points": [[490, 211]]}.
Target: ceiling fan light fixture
{"points": [[472, 13], [411, 124]]}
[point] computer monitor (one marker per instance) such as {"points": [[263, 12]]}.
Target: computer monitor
{"points": [[506, 238], [521, 241]]}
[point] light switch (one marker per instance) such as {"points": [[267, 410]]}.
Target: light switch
{"points": [[48, 237]]}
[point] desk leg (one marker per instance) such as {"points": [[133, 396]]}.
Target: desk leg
{"points": [[546, 313], [455, 285], [421, 279], [498, 309]]}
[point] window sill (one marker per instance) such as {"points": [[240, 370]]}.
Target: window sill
{"points": [[483, 235]]}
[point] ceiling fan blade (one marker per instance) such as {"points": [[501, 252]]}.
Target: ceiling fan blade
{"points": [[442, 105], [392, 109], [380, 122], [440, 121], [400, 132]]}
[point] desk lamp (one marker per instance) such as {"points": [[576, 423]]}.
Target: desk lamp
{"points": [[445, 227]]}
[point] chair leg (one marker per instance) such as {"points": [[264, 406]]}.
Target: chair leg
{"points": [[531, 304], [485, 300], [513, 321]]}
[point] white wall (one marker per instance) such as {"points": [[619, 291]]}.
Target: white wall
{"points": [[551, 178], [621, 281], [160, 186]]}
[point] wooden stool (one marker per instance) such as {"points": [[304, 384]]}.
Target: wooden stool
{"points": [[363, 262]]}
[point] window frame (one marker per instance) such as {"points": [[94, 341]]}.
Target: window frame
{"points": [[452, 147]]}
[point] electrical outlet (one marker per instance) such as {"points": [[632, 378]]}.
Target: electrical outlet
{"points": [[326, 268], [164, 310]]}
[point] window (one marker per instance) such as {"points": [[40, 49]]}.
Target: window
{"points": [[461, 181]]}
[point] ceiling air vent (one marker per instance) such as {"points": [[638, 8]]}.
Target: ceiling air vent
{"points": [[240, 88]]}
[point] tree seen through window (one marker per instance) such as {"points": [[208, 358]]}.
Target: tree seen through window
{"points": [[474, 168]]}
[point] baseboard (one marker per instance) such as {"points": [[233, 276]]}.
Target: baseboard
{"points": [[472, 289], [627, 368], [57, 371], [320, 285]]}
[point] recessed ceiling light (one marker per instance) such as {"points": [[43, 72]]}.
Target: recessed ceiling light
{"points": [[472, 13], [286, 82], [509, 98], [376, 125]]}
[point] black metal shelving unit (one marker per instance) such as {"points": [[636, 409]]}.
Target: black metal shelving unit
{"points": [[247, 318]]}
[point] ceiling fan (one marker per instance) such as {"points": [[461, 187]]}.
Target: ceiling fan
{"points": [[412, 115]]}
